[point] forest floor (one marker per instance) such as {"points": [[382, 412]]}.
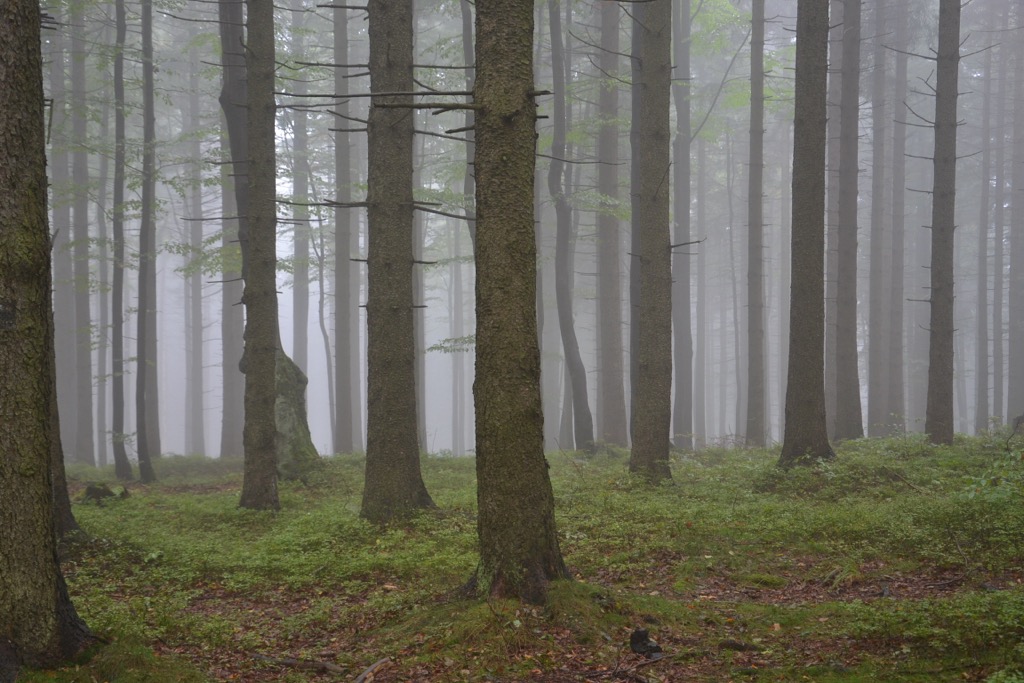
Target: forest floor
{"points": [[896, 562]]}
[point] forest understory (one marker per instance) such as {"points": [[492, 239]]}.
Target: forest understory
{"points": [[900, 561]]}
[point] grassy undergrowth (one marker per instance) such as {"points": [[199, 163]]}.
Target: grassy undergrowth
{"points": [[897, 562]]}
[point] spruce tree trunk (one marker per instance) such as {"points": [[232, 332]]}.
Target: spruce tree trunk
{"points": [[939, 412], [896, 401], [835, 89], [879, 284], [652, 397], [700, 379], [998, 409], [611, 398], [519, 551], [82, 449], [394, 485], [682, 326], [40, 625], [849, 419], [1015, 291], [806, 440], [755, 424]]}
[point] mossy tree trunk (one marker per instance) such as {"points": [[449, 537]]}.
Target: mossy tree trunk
{"points": [[806, 440], [394, 486], [38, 624], [519, 551]]}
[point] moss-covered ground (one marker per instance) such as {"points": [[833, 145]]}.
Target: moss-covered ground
{"points": [[897, 562]]}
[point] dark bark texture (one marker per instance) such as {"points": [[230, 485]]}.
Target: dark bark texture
{"points": [[806, 440], [519, 551], [38, 624], [394, 486]]}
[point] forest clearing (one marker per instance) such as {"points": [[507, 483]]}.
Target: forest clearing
{"points": [[899, 561]]}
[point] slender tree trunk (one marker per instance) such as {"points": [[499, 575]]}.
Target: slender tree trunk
{"points": [[122, 467], [519, 550], [682, 350], [939, 415], [195, 404], [300, 197], [879, 286], [896, 400], [652, 76], [102, 429], [849, 420], [998, 219], [83, 446], [147, 435], [40, 625], [232, 316], [981, 410], [1015, 293], [806, 439], [755, 425], [611, 400], [583, 424], [700, 379], [346, 337], [835, 90]]}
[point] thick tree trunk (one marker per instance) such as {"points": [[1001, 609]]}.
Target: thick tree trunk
{"points": [[40, 625], [939, 415], [519, 550], [755, 424], [806, 440], [394, 486]]}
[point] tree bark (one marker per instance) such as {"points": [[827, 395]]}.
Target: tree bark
{"points": [[849, 419], [41, 627], [755, 427], [195, 404], [806, 439], [682, 326], [1015, 291], [939, 412], [652, 397], [519, 551], [394, 485], [981, 331]]}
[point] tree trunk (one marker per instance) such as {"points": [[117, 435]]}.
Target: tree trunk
{"points": [[998, 219], [755, 426], [122, 467], [300, 197], [558, 184], [806, 440], [878, 315], [849, 420], [41, 627], [981, 410], [232, 315], [700, 379], [611, 399], [147, 436], [195, 404], [1015, 293], [682, 350], [652, 77], [835, 89], [394, 486], [257, 236], [939, 412], [896, 400], [345, 382], [83, 447], [519, 550]]}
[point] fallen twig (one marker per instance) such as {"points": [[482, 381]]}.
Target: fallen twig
{"points": [[307, 664], [371, 670]]}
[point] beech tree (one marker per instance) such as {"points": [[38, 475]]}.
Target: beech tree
{"points": [[40, 625]]}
